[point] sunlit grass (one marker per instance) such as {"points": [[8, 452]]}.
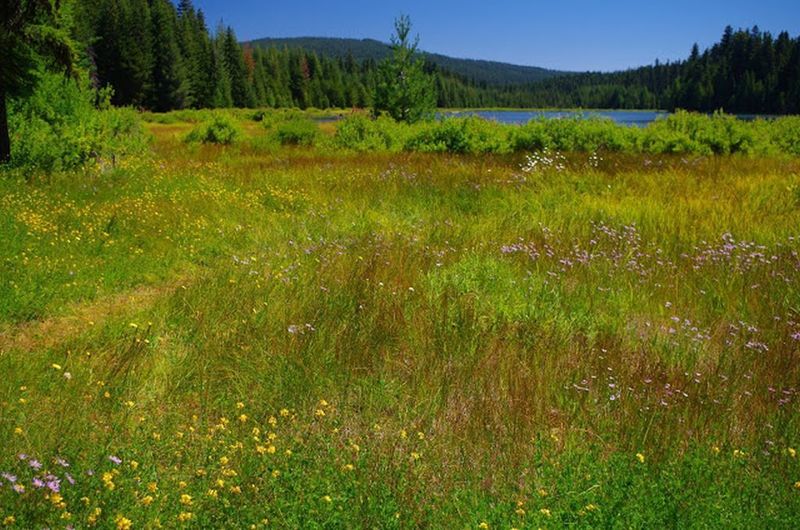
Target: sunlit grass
{"points": [[284, 337]]}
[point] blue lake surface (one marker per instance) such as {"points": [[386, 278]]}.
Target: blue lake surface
{"points": [[624, 117]]}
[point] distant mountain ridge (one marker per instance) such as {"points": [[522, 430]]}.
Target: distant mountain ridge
{"points": [[480, 71]]}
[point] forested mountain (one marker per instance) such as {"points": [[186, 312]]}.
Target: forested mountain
{"points": [[477, 71], [158, 55]]}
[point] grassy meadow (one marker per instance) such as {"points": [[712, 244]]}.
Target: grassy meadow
{"points": [[259, 335]]}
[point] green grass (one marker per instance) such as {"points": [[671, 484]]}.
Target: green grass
{"points": [[295, 337]]}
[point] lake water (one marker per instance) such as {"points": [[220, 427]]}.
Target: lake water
{"points": [[638, 118]]}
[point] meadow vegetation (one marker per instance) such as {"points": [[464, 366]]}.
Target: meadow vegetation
{"points": [[451, 324]]}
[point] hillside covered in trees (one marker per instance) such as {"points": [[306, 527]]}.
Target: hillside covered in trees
{"points": [[480, 72], [161, 56]]}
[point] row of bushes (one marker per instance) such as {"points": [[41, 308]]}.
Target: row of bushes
{"points": [[65, 124], [682, 132]]}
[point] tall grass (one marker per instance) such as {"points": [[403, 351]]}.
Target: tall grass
{"points": [[233, 336]]}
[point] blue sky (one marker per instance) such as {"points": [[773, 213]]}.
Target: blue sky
{"points": [[566, 34]]}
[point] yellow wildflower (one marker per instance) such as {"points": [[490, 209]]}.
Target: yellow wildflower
{"points": [[147, 500], [185, 516], [9, 520], [123, 523], [640, 458], [484, 525], [327, 498], [212, 493], [186, 499], [792, 452], [545, 512]]}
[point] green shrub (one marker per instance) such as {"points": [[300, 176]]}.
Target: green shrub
{"points": [[458, 135], [361, 133], [297, 131], [61, 125], [220, 129]]}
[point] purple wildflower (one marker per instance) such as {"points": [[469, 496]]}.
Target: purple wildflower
{"points": [[69, 478], [19, 488], [35, 464], [54, 485], [115, 459], [38, 483], [9, 477]]}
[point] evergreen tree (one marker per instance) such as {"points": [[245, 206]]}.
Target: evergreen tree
{"points": [[403, 89], [169, 88]]}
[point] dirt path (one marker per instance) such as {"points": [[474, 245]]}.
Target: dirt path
{"points": [[44, 334]]}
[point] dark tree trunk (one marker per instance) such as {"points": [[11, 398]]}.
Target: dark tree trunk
{"points": [[5, 141]]}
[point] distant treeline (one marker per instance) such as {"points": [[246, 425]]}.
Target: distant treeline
{"points": [[747, 71], [162, 57]]}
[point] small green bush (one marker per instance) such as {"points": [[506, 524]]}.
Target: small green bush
{"points": [[459, 135], [220, 129], [297, 131], [362, 133]]}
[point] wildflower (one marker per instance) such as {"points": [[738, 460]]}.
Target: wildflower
{"points": [[240, 405], [520, 512], [284, 412], [147, 500], [115, 460], [56, 366], [792, 452], [542, 492], [715, 450], [348, 467], [276, 473], [545, 512], [403, 434], [9, 520], [185, 516], [236, 490], [220, 483], [640, 458], [212, 493], [108, 481], [327, 498], [224, 460], [92, 518], [134, 465], [19, 488], [182, 484], [123, 523], [415, 456], [421, 435], [591, 508], [738, 454], [272, 421], [797, 484], [18, 431], [152, 487], [186, 499], [319, 413], [484, 525]]}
